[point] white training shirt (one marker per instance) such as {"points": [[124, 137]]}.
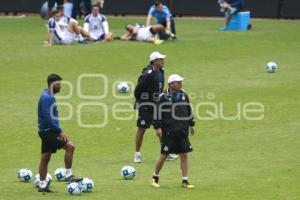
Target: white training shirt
{"points": [[60, 32], [96, 26], [143, 33], [58, 29]]}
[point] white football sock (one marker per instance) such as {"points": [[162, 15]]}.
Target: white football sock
{"points": [[185, 178], [137, 153], [80, 38], [68, 172]]}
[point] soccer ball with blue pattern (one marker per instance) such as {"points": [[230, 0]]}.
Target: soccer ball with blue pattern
{"points": [[60, 174], [271, 67], [24, 175], [123, 87], [37, 180], [128, 172], [74, 188], [87, 185]]}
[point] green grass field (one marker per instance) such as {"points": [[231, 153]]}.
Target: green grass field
{"points": [[232, 159]]}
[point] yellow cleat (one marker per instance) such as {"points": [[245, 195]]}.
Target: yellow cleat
{"points": [[187, 185], [155, 183], [158, 42]]}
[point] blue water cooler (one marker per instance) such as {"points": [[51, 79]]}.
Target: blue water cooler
{"points": [[240, 21]]}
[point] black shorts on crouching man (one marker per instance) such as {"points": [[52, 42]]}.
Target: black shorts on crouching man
{"points": [[51, 142]]}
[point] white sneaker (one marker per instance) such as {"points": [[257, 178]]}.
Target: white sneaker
{"points": [[137, 158], [172, 157]]}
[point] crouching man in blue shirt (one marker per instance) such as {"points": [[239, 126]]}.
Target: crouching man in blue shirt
{"points": [[164, 17], [52, 136]]}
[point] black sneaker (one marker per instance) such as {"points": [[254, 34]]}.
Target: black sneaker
{"points": [[45, 190], [73, 178]]}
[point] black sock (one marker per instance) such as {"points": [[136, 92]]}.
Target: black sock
{"points": [[185, 181], [156, 178]]}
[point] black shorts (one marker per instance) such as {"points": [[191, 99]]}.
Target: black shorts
{"points": [[176, 144], [51, 142], [101, 37], [152, 31], [145, 117]]}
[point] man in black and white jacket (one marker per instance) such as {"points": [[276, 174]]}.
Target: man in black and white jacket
{"points": [[150, 85], [175, 121]]}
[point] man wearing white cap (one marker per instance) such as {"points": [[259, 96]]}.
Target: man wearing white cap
{"points": [[149, 87], [175, 119]]}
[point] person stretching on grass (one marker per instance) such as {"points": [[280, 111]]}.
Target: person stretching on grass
{"points": [[143, 34]]}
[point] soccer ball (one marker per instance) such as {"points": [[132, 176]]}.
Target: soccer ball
{"points": [[37, 180], [271, 67], [128, 172], [87, 185], [123, 87], [60, 174], [74, 188], [24, 175]]}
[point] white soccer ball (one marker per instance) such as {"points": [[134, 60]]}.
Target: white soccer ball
{"points": [[128, 172], [60, 174], [123, 87], [74, 188], [271, 67], [87, 185], [37, 180], [24, 175]]}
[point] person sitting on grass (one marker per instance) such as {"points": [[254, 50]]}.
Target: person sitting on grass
{"points": [[96, 24], [61, 31], [230, 7]]}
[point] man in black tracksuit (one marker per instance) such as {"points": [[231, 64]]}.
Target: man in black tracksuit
{"points": [[149, 87], [175, 119]]}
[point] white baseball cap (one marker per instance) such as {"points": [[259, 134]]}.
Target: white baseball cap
{"points": [[156, 55], [174, 78]]}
